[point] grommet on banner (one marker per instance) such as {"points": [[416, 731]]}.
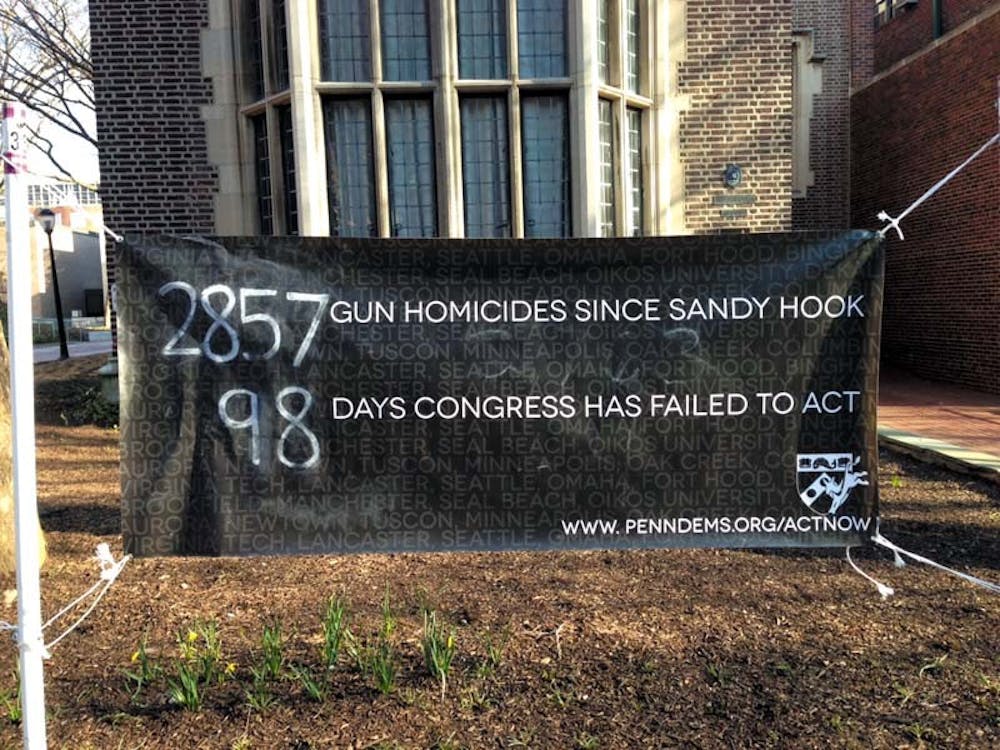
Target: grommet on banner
{"points": [[883, 590]]}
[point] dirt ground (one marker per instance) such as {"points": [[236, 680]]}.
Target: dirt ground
{"points": [[689, 649]]}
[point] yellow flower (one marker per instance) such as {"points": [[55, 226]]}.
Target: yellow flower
{"points": [[231, 668], [192, 636], [135, 657], [451, 642]]}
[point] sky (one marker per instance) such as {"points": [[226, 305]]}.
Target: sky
{"points": [[75, 154]]}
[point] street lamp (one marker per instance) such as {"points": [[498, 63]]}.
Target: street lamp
{"points": [[48, 219]]}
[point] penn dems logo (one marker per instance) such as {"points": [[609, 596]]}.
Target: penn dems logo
{"points": [[827, 479]]}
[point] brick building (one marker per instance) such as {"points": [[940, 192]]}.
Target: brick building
{"points": [[460, 118], [929, 104]]}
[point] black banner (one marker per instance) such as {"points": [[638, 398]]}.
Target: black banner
{"points": [[306, 395]]}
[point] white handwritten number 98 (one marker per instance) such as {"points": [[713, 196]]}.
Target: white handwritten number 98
{"points": [[251, 422]]}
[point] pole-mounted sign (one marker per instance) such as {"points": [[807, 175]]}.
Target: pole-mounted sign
{"points": [[29, 611]]}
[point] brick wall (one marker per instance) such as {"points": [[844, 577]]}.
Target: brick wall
{"points": [[957, 12], [737, 73], [149, 91], [862, 50], [913, 27], [910, 128], [825, 204]]}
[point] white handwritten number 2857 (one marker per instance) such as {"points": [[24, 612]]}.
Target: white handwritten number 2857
{"points": [[223, 334]]}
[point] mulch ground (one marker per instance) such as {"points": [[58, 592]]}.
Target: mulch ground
{"points": [[671, 648]]}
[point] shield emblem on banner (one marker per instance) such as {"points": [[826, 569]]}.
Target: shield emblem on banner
{"points": [[825, 480]]}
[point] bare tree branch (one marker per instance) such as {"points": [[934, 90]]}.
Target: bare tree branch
{"points": [[46, 146]]}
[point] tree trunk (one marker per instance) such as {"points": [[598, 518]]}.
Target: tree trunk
{"points": [[7, 471]]}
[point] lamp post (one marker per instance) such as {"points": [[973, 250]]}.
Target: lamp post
{"points": [[48, 219]]}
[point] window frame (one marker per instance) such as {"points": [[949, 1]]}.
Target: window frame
{"points": [[514, 87], [378, 90], [446, 90], [265, 108], [623, 101]]}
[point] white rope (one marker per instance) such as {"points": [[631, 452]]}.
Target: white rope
{"points": [[883, 542], [73, 604], [110, 569], [894, 223], [885, 591]]}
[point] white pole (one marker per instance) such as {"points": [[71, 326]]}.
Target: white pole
{"points": [[22, 387]]}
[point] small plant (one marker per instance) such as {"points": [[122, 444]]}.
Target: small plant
{"points": [[211, 653], [523, 738], [200, 650], [355, 650], [11, 700], [273, 647], [990, 684], [90, 407], [382, 666], [719, 673], [411, 697], [562, 690], [784, 669], [388, 625], [185, 689], [475, 698], [259, 695], [919, 732], [896, 481], [439, 649], [202, 646], [935, 665], [312, 687], [377, 659], [446, 743], [334, 630], [586, 741], [144, 672], [494, 648], [905, 693]]}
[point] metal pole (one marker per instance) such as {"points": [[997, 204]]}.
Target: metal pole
{"points": [[63, 347], [22, 386]]}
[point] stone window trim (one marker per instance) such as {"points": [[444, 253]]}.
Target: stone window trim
{"points": [[446, 89]]}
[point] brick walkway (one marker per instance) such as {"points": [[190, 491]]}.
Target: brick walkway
{"points": [[955, 425]]}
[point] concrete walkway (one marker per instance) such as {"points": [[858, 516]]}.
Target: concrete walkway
{"points": [[50, 352], [942, 423]]}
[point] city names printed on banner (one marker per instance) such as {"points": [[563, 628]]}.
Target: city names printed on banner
{"points": [[289, 395]]}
